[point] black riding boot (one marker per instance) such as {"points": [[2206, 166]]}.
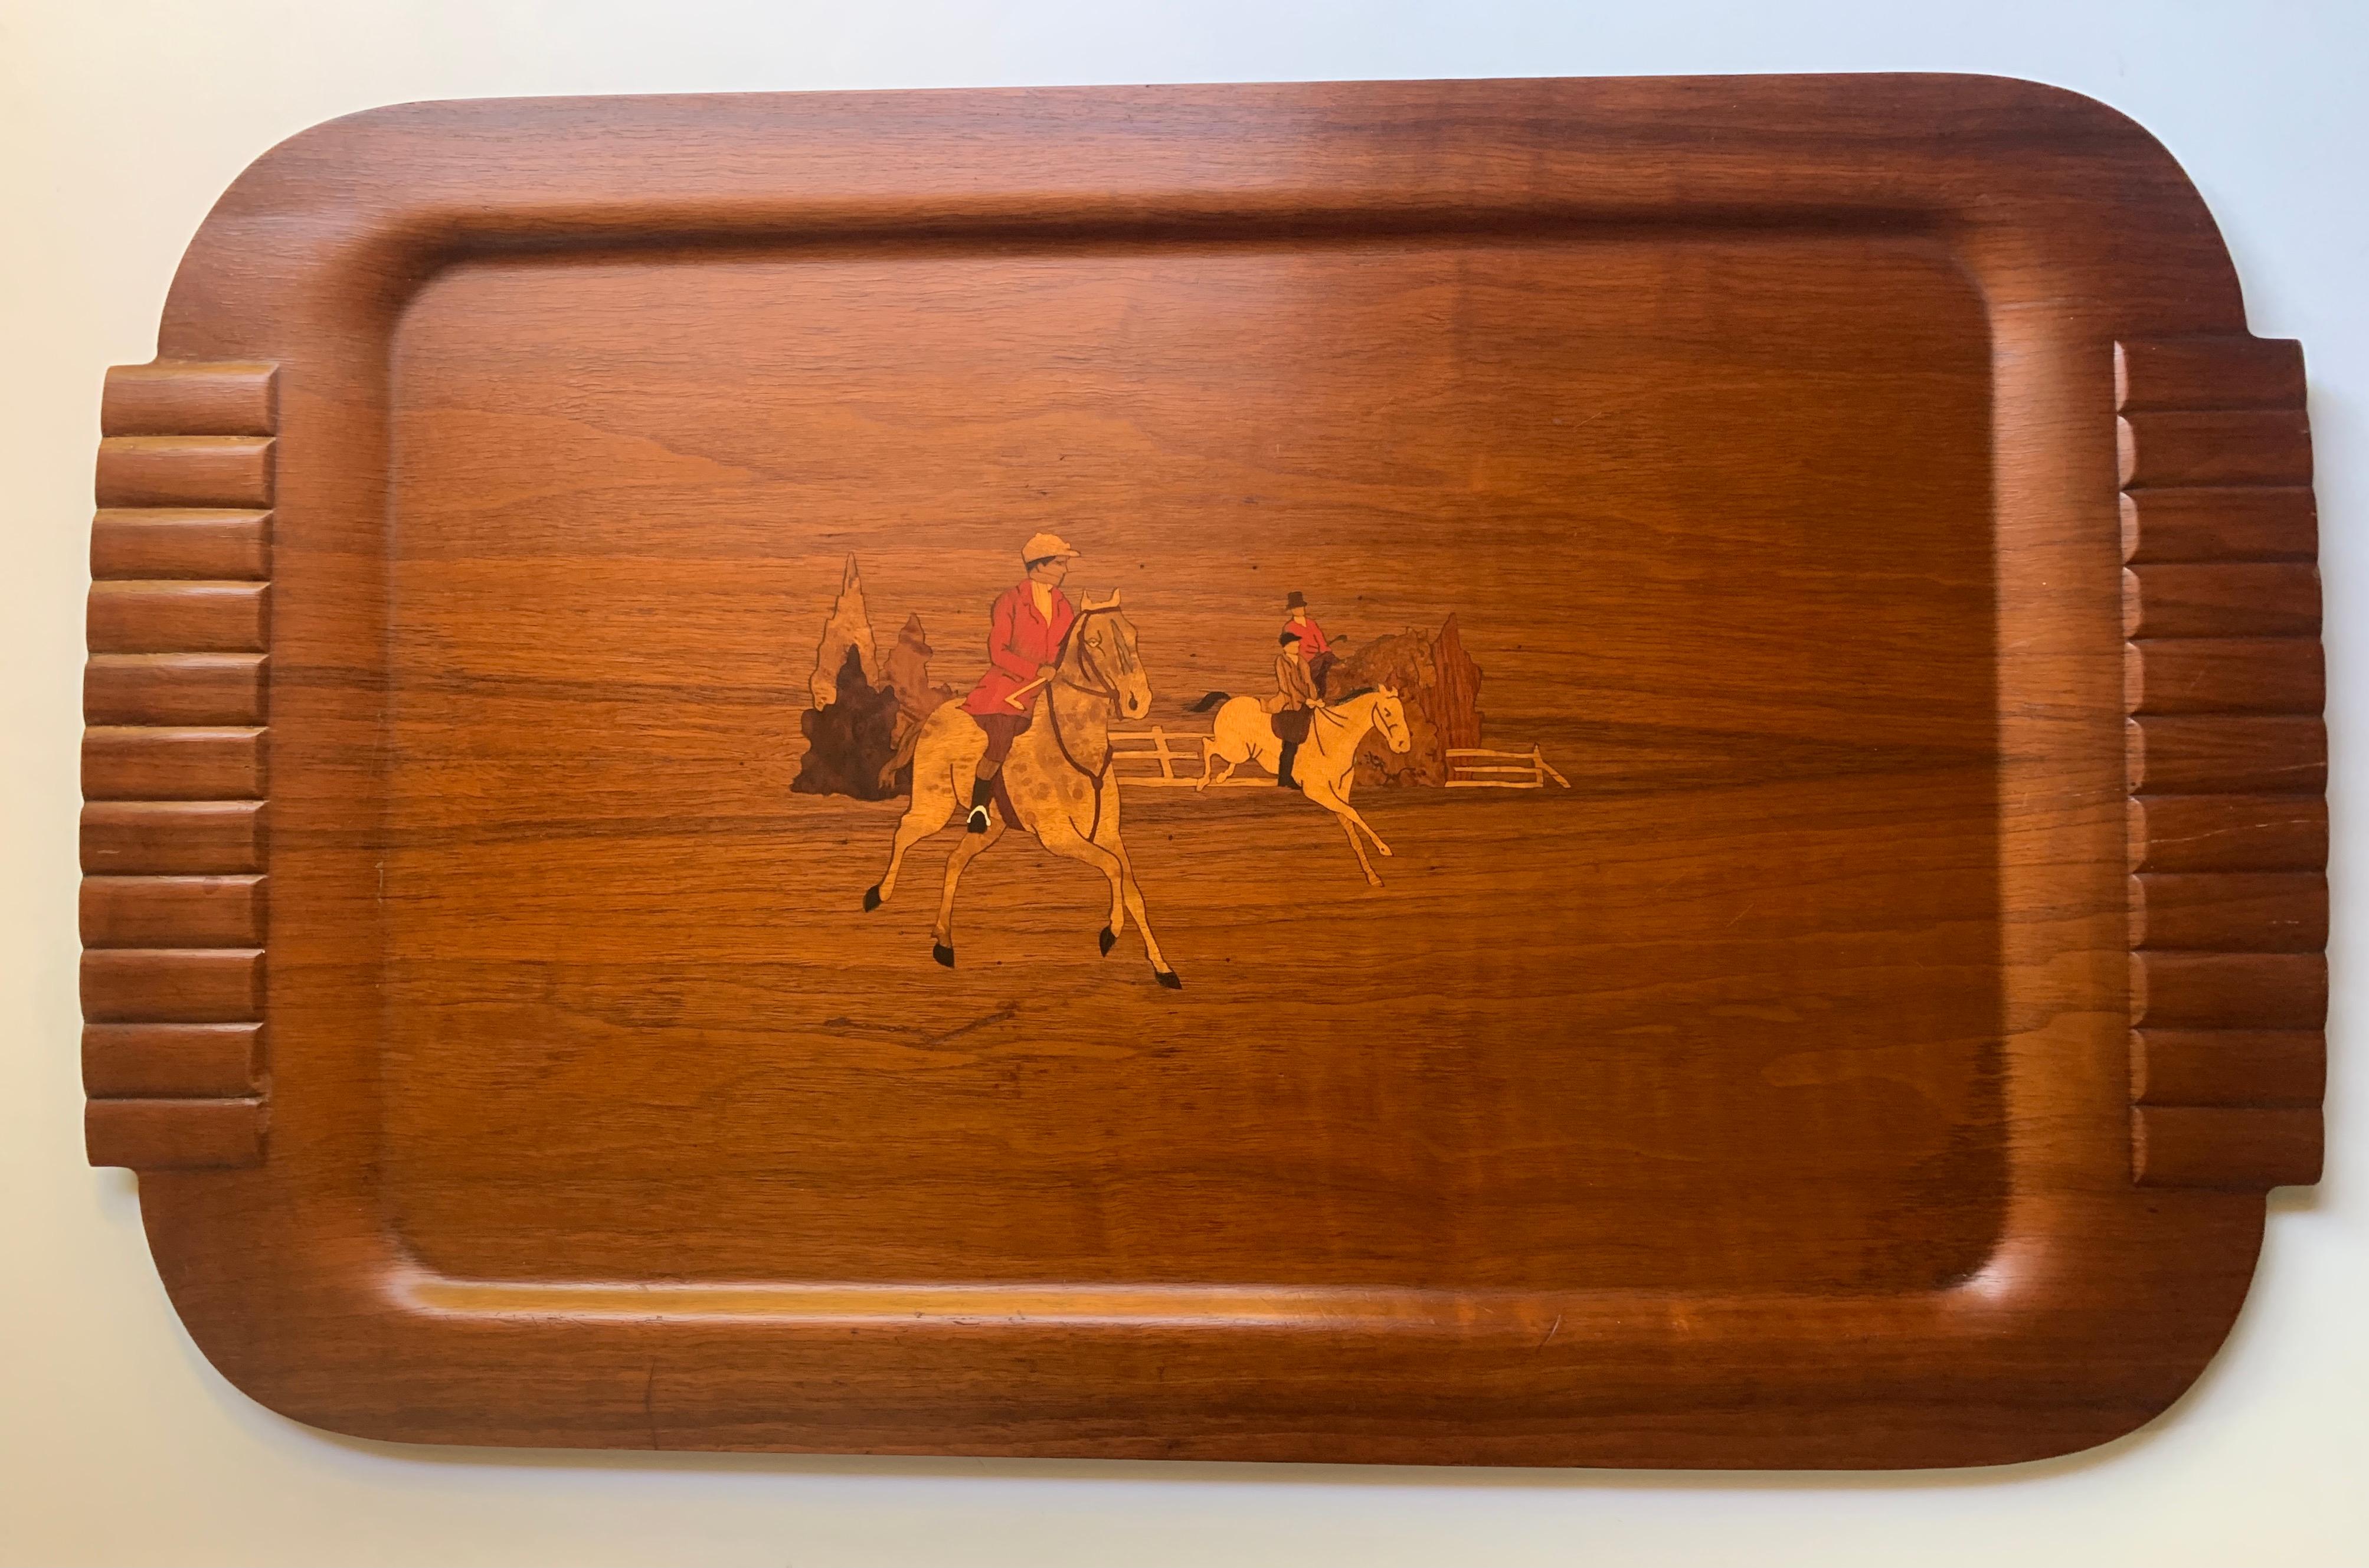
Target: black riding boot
{"points": [[1283, 766], [983, 790]]}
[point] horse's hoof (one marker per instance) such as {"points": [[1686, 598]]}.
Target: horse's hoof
{"points": [[872, 898], [943, 953], [1384, 848], [1168, 980], [1106, 939]]}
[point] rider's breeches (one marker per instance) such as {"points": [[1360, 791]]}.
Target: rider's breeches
{"points": [[1002, 730]]}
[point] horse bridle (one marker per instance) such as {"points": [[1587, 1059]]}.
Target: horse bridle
{"points": [[1107, 691], [1329, 712]]}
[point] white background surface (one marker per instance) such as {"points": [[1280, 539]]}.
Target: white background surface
{"points": [[118, 125]]}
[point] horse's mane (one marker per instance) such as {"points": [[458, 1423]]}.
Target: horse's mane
{"points": [[1353, 696]]}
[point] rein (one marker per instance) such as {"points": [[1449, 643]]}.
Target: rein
{"points": [[1331, 713], [1104, 690]]}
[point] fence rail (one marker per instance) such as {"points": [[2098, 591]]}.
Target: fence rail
{"points": [[1132, 750], [1153, 757], [1503, 770]]}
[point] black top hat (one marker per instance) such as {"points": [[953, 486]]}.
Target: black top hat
{"points": [[1294, 600]]}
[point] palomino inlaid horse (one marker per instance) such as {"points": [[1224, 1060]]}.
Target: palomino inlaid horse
{"points": [[1326, 764], [1058, 777]]}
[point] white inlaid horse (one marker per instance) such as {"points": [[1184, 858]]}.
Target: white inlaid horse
{"points": [[1326, 764]]}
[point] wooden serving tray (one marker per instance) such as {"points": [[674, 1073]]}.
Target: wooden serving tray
{"points": [[1816, 592]]}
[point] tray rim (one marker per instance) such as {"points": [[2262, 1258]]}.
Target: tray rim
{"points": [[297, 267]]}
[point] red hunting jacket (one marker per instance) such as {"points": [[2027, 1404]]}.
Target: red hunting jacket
{"points": [[1019, 641]]}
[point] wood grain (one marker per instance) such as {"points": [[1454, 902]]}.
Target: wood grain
{"points": [[2235, 598], [200, 1061], [2236, 524], [175, 694], [2227, 755], [174, 689], [183, 471], [199, 617], [2228, 907], [2220, 675], [172, 911], [189, 399], [2239, 912], [175, 1134], [172, 762], [1808, 1084], [2190, 989], [2187, 375], [2228, 832], [190, 985], [2228, 1067], [171, 836], [2218, 447], [137, 544], [2244, 1150]]}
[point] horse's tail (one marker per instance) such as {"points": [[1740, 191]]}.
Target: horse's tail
{"points": [[1208, 700], [901, 759]]}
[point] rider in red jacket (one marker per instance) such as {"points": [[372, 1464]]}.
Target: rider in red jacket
{"points": [[1023, 643]]}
